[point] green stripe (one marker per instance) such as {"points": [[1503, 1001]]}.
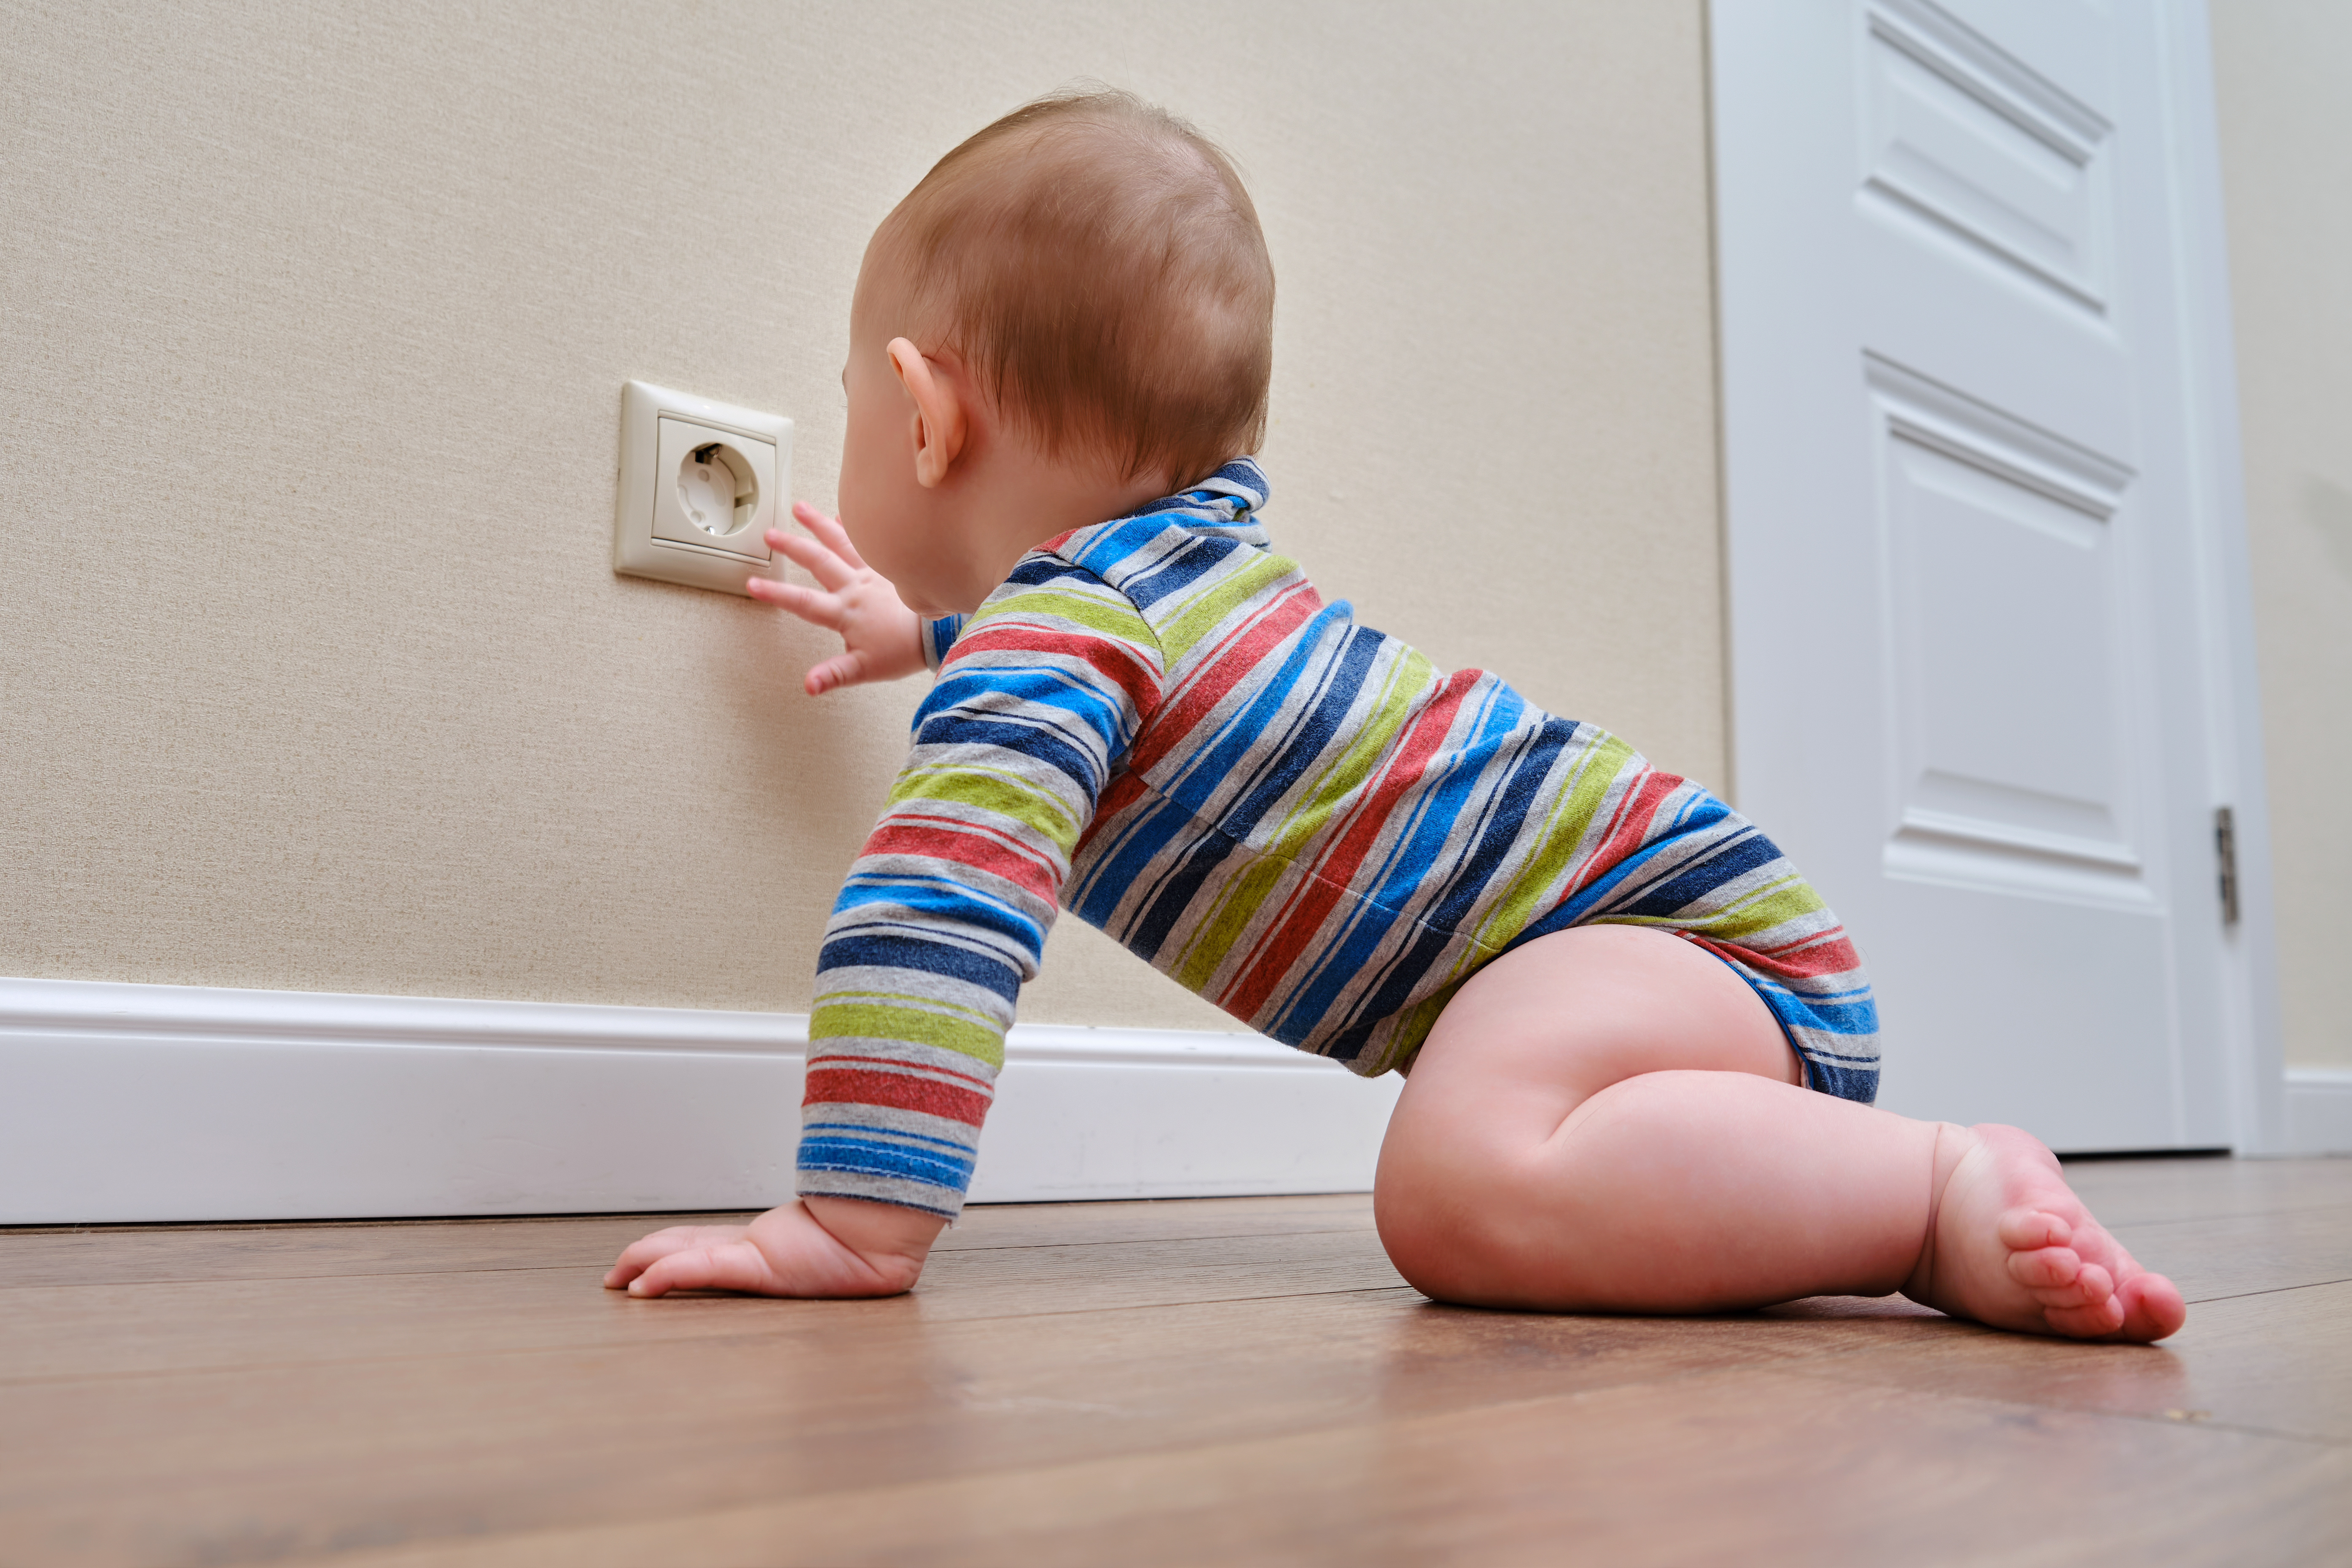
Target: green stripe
{"points": [[1216, 935], [999, 790], [1564, 831], [1788, 898], [1241, 896], [908, 1021], [1221, 599], [1112, 617], [836, 996]]}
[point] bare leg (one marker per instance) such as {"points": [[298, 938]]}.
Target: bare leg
{"points": [[1609, 1119]]}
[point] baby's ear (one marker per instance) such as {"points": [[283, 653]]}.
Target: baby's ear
{"points": [[938, 414]]}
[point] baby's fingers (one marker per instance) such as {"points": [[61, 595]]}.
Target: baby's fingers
{"points": [[730, 1266], [643, 1253], [647, 1251], [837, 538], [817, 609], [828, 567], [841, 670]]}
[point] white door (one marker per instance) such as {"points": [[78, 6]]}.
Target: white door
{"points": [[1972, 645]]}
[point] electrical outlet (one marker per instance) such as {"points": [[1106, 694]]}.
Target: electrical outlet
{"points": [[701, 483]]}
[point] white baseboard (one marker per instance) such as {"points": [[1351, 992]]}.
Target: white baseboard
{"points": [[2318, 1111], [168, 1102]]}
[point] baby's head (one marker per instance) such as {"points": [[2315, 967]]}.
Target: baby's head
{"points": [[1085, 282]]}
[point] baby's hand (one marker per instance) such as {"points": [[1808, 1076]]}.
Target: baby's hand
{"points": [[881, 638], [813, 1247]]}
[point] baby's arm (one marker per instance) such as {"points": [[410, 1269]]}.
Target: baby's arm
{"points": [[940, 923], [810, 1246], [881, 638]]}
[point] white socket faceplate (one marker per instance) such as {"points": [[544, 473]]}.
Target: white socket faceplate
{"points": [[701, 483]]}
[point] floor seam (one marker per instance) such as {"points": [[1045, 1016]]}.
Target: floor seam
{"points": [[2274, 1290]]}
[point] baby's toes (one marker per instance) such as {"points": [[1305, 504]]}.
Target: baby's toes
{"points": [[2045, 1268], [2152, 1306], [2089, 1323], [2089, 1289], [2027, 1230]]}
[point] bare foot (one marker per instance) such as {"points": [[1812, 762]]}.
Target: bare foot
{"points": [[2009, 1244]]}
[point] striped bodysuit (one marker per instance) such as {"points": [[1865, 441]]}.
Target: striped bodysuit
{"points": [[1157, 723]]}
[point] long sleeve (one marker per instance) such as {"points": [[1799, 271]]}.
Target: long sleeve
{"points": [[944, 915], [940, 636]]}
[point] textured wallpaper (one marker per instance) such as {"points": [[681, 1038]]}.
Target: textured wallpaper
{"points": [[313, 671]]}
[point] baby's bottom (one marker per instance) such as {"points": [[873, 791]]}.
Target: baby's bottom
{"points": [[1608, 1119]]}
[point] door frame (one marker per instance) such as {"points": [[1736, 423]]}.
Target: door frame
{"points": [[2252, 1049]]}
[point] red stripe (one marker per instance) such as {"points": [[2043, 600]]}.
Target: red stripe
{"points": [[1110, 658], [1811, 962], [921, 811], [1637, 809], [932, 838], [1294, 930], [895, 1090], [896, 1064], [1224, 668], [1298, 590]]}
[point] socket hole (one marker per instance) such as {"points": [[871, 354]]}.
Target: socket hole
{"points": [[717, 490]]}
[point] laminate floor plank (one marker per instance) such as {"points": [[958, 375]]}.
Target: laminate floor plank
{"points": [[143, 1254], [322, 1449], [1241, 1380], [1750, 1466], [2279, 1363], [2212, 1258], [1068, 1225], [2130, 1192], [186, 1254], [69, 1331]]}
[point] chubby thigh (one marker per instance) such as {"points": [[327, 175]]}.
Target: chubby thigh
{"points": [[1550, 1023], [1480, 1149]]}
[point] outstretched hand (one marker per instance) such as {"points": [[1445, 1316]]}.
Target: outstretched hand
{"points": [[813, 1246], [881, 638]]}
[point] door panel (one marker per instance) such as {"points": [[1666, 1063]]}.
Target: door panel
{"points": [[1958, 516]]}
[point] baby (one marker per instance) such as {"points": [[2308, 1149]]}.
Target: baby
{"points": [[1642, 1051]]}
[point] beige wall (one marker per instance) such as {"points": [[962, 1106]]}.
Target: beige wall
{"points": [[2286, 154], [313, 672]]}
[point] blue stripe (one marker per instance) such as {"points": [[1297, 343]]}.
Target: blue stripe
{"points": [[1036, 570], [1313, 729], [1213, 765], [1278, 769], [868, 1158], [942, 899], [1750, 852], [1396, 880], [1023, 737], [1127, 537], [928, 954], [1179, 572], [963, 1146], [1151, 825]]}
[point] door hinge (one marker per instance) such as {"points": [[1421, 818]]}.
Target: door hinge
{"points": [[2225, 858]]}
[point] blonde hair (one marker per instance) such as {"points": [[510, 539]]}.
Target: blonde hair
{"points": [[1098, 266]]}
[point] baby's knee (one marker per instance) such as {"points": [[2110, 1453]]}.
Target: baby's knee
{"points": [[1480, 1238]]}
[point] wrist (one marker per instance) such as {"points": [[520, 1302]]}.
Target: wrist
{"points": [[919, 642], [891, 1239]]}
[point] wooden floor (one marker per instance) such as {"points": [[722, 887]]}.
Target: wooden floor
{"points": [[1243, 1380]]}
